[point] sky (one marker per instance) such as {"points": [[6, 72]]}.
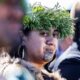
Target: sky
{"points": [[67, 4]]}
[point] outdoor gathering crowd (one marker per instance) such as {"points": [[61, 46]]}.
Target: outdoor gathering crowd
{"points": [[38, 43]]}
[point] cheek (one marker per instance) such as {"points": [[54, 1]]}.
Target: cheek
{"points": [[37, 45], [55, 43]]}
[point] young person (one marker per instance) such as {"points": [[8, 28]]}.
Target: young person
{"points": [[40, 42]]}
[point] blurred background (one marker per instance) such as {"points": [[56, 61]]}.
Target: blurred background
{"points": [[67, 4]]}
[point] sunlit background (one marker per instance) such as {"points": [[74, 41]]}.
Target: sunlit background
{"points": [[67, 4]]}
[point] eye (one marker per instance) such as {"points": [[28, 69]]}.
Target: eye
{"points": [[55, 34], [44, 34]]}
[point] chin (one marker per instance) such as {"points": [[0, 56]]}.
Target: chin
{"points": [[48, 59]]}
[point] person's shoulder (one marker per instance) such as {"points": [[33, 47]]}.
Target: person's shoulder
{"points": [[70, 62], [14, 69]]}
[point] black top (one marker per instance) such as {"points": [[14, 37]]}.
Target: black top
{"points": [[70, 68]]}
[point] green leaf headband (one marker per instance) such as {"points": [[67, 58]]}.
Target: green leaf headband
{"points": [[45, 18]]}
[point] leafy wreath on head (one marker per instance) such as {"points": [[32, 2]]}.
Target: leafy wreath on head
{"points": [[44, 18]]}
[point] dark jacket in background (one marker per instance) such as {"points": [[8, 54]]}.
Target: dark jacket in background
{"points": [[69, 63], [70, 68]]}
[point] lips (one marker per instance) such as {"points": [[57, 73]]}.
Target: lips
{"points": [[49, 53], [48, 56], [50, 49]]}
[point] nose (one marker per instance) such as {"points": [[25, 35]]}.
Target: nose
{"points": [[49, 40]]}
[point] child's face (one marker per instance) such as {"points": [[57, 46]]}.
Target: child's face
{"points": [[41, 45]]}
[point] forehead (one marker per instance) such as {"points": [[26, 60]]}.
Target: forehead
{"points": [[51, 30]]}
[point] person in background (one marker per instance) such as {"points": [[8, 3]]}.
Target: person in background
{"points": [[11, 13], [69, 61], [63, 45]]}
